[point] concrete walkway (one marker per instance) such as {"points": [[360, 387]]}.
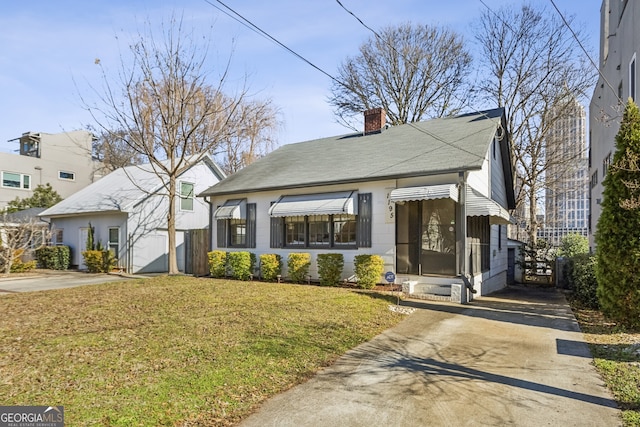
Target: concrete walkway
{"points": [[42, 280], [516, 358]]}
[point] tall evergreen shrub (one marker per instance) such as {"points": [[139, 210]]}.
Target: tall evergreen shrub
{"points": [[618, 230]]}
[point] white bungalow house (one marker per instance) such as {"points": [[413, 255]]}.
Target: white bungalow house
{"points": [[431, 198], [128, 211]]}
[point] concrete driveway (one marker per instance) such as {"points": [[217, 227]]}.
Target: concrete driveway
{"points": [[516, 358], [41, 280]]}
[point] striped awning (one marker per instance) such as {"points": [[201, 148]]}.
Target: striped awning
{"points": [[429, 192], [316, 204], [479, 205], [231, 209]]}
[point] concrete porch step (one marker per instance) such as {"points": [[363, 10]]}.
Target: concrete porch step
{"points": [[428, 290]]}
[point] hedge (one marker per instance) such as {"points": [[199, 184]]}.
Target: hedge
{"points": [[217, 263], [270, 266], [54, 257]]}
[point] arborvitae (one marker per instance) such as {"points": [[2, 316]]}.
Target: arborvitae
{"points": [[618, 231]]}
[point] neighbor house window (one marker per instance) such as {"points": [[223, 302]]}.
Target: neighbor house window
{"points": [[186, 196], [16, 180], [114, 241], [57, 236], [68, 176]]}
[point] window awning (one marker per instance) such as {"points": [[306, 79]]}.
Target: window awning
{"points": [[316, 204], [429, 192], [232, 209], [479, 205]]}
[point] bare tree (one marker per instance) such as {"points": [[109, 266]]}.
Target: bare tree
{"points": [[165, 110], [536, 70], [256, 124], [111, 149], [20, 235], [412, 71]]}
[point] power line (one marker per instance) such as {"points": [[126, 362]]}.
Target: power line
{"points": [[575, 36], [247, 23], [260, 31]]}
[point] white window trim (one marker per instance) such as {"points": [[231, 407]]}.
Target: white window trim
{"points": [[21, 186], [192, 197], [66, 179]]}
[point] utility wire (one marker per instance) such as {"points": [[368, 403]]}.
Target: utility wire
{"points": [[575, 36], [260, 31], [247, 23]]}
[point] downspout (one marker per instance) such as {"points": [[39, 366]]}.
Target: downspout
{"points": [[208, 200]]}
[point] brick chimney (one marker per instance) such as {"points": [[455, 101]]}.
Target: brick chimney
{"points": [[374, 120]]}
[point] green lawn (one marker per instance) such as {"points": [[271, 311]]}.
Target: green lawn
{"points": [[167, 350], [616, 354]]}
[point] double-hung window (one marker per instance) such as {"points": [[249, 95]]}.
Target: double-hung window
{"points": [[236, 224], [186, 196]]}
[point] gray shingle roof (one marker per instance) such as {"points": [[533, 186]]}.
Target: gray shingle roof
{"points": [[425, 148]]}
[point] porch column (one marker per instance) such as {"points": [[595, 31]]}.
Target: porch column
{"points": [[461, 233]]}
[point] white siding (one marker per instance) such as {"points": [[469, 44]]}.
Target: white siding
{"points": [[383, 234], [71, 227]]}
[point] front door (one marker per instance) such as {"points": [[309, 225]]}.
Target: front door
{"points": [[426, 237], [82, 245]]}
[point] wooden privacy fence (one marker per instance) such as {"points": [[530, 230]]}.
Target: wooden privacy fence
{"points": [[196, 248]]}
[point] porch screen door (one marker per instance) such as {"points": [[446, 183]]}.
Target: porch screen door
{"points": [[426, 237]]}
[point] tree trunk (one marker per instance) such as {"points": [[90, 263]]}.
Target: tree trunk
{"points": [[533, 219], [171, 227]]}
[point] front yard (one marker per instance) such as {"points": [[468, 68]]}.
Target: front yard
{"points": [[175, 350]]}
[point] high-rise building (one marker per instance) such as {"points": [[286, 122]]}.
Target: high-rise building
{"points": [[619, 44], [566, 177]]}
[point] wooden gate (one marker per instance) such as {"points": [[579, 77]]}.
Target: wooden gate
{"points": [[196, 248]]}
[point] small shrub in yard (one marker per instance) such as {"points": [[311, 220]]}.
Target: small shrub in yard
{"points": [[582, 279], [98, 261], [298, 266], [217, 263], [330, 268], [368, 268], [270, 266], [54, 257], [18, 266], [241, 264]]}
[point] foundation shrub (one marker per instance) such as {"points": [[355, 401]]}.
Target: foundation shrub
{"points": [[298, 266], [368, 269], [270, 266], [241, 264], [330, 268], [217, 263], [54, 257]]}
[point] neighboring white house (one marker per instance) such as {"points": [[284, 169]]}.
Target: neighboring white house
{"points": [[62, 160], [408, 193], [128, 210]]}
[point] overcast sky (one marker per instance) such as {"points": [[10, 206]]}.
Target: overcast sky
{"points": [[48, 51]]}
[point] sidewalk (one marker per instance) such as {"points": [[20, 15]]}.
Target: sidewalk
{"points": [[516, 358]]}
